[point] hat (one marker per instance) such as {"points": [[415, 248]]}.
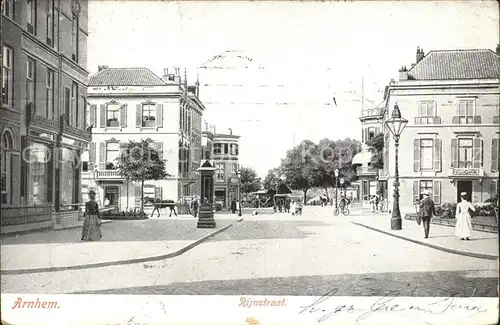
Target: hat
{"points": [[463, 193], [91, 192]]}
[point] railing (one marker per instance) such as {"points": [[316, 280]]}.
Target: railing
{"points": [[107, 174], [372, 112], [70, 130], [476, 119], [12, 216], [360, 170], [467, 172], [428, 120]]}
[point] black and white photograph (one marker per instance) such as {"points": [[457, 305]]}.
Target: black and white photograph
{"points": [[249, 162]]}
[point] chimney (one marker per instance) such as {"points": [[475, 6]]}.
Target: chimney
{"points": [[212, 129], [403, 73], [197, 85], [230, 131], [206, 125], [101, 67], [420, 54], [498, 49]]}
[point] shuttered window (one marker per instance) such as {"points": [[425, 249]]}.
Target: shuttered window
{"points": [[493, 187], [495, 149]]}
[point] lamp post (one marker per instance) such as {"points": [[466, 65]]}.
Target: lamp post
{"points": [[336, 187], [239, 192], [396, 124]]}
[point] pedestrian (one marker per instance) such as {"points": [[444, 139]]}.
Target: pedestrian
{"points": [[92, 223], [292, 208], [233, 206], [372, 204], [195, 206], [463, 227], [427, 211], [238, 208]]}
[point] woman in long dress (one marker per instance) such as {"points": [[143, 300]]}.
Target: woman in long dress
{"points": [[463, 227], [92, 224]]}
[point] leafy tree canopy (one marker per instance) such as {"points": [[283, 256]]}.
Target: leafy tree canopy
{"points": [[249, 181], [376, 147]]}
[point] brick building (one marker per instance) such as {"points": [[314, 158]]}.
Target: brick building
{"points": [[43, 129], [450, 145]]}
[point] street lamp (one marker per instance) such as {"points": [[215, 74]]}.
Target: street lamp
{"points": [[336, 186], [239, 192], [396, 124]]}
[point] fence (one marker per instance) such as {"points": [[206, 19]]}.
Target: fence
{"points": [[13, 216]]}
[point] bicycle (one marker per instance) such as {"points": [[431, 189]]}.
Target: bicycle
{"points": [[345, 211]]}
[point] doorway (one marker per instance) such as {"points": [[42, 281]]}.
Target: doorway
{"points": [[464, 186]]}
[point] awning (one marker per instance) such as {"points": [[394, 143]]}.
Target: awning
{"points": [[362, 158]]}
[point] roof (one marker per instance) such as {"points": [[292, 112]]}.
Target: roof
{"points": [[125, 77], [457, 64]]}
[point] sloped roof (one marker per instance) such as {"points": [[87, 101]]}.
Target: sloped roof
{"points": [[125, 77], [457, 64]]}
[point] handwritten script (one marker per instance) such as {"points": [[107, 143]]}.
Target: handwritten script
{"points": [[323, 308]]}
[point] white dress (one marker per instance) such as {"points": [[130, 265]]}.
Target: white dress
{"points": [[463, 227]]}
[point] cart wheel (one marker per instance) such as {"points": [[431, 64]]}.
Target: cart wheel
{"points": [[346, 212], [336, 211]]}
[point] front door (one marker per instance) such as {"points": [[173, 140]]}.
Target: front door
{"points": [[464, 186]]}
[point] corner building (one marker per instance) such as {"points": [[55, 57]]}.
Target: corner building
{"points": [[42, 109], [451, 142]]}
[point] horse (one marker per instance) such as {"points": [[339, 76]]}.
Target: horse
{"points": [[161, 204]]}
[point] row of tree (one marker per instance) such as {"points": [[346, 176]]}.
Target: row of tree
{"points": [[310, 165]]}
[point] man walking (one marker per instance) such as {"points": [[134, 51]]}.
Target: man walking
{"points": [[427, 211]]}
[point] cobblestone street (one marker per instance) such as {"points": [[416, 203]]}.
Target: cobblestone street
{"points": [[284, 255]]}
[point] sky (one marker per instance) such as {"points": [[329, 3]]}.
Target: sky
{"points": [[270, 70]]}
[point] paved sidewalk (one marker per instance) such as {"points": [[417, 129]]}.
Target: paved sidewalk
{"points": [[481, 245], [123, 242]]}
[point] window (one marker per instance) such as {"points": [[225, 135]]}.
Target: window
{"points": [[30, 81], [31, 16], [466, 112], [234, 169], [425, 186], [465, 153], [371, 133], [85, 166], [111, 193], [426, 154], [49, 94], [67, 104], [7, 77], [6, 165], [148, 115], [38, 172], [74, 37], [220, 171], [217, 148], [8, 8], [148, 191], [74, 104], [50, 23], [226, 148], [69, 178], [112, 153], [234, 149], [112, 115], [426, 112]]}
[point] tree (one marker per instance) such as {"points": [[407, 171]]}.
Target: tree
{"points": [[140, 161], [249, 181], [271, 179], [298, 167], [376, 147]]}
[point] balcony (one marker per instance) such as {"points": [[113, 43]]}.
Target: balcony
{"points": [[467, 173], [366, 171], [428, 120], [372, 112], [107, 174], [73, 131], [476, 119]]}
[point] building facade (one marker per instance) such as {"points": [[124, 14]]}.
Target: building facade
{"points": [[226, 154], [134, 104], [43, 129], [450, 144], [368, 182]]}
